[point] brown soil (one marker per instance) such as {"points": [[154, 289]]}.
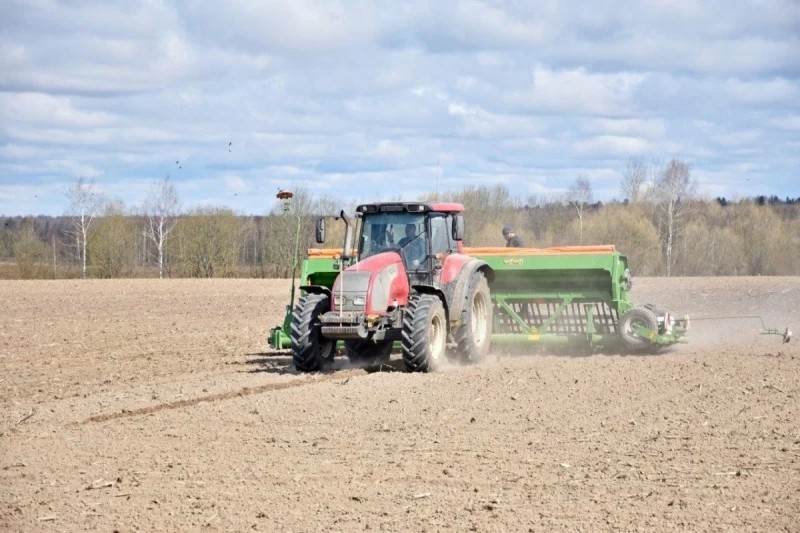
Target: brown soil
{"points": [[150, 405]]}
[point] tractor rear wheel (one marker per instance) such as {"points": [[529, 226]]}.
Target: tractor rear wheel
{"points": [[368, 352], [310, 350], [637, 317], [474, 334], [424, 337]]}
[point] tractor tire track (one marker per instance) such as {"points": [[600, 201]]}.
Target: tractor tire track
{"points": [[240, 393]]}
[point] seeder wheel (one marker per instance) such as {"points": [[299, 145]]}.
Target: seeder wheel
{"points": [[633, 319]]}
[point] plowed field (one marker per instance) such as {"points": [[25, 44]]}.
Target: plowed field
{"points": [[156, 405]]}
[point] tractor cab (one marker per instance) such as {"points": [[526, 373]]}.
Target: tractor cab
{"points": [[422, 234]]}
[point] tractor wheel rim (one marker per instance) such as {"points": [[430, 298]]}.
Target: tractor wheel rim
{"points": [[479, 319], [437, 338]]}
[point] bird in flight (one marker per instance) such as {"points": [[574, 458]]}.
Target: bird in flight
{"points": [[229, 145]]}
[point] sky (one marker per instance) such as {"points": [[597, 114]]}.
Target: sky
{"points": [[367, 100]]}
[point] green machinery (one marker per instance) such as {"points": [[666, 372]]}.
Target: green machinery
{"points": [[320, 267], [576, 297]]}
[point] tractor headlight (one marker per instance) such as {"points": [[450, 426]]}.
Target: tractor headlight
{"points": [[359, 301]]}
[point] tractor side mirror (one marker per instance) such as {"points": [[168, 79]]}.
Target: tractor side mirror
{"points": [[458, 227], [320, 233]]}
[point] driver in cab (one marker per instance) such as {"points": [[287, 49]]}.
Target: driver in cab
{"points": [[412, 246]]}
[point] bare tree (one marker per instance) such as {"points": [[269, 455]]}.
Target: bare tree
{"points": [[110, 252], [673, 187], [631, 232], [30, 252], [633, 180], [579, 197], [82, 207], [489, 208], [210, 242], [160, 208]]}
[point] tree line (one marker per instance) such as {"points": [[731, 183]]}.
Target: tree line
{"points": [[662, 225]]}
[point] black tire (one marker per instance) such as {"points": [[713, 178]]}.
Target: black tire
{"points": [[424, 337], [473, 336], [637, 316], [310, 350], [369, 352]]}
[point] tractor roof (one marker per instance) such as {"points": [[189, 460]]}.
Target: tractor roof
{"points": [[410, 207]]}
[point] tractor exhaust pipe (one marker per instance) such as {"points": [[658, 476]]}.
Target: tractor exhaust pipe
{"points": [[348, 237]]}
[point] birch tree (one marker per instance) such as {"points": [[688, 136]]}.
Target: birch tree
{"points": [[633, 180], [579, 197], [161, 208], [673, 187], [83, 203]]}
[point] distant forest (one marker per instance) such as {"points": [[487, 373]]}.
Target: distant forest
{"points": [[662, 226]]}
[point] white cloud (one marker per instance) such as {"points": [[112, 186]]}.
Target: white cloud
{"points": [[791, 122], [739, 138], [494, 60], [390, 148], [652, 128], [235, 184], [21, 151], [47, 110], [761, 91], [350, 96], [578, 91], [613, 145], [301, 25], [478, 22]]}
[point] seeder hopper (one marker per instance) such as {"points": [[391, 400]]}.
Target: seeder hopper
{"points": [[572, 295]]}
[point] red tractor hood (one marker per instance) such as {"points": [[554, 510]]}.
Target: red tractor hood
{"points": [[376, 263], [380, 282]]}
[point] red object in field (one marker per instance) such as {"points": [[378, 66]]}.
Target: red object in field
{"points": [[284, 195]]}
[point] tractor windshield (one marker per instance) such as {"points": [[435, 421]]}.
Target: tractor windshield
{"points": [[401, 232]]}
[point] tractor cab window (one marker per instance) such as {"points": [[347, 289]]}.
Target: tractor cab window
{"points": [[375, 240], [404, 233], [441, 241]]}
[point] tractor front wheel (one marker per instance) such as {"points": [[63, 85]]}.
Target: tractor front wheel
{"points": [[633, 319], [424, 337], [368, 352], [310, 350], [474, 334]]}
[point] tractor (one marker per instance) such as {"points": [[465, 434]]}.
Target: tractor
{"points": [[404, 279]]}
